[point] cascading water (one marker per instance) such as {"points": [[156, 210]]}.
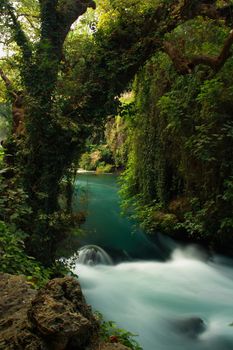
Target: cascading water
{"points": [[93, 255], [184, 303]]}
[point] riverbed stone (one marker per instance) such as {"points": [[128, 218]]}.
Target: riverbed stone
{"points": [[189, 326]]}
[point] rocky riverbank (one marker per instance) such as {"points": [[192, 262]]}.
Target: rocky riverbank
{"points": [[54, 318]]}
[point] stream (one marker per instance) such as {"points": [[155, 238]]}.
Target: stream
{"points": [[174, 297]]}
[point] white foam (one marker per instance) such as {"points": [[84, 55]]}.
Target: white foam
{"points": [[144, 296]]}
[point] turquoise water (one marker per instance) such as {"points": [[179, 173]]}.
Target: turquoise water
{"points": [[162, 301], [105, 226]]}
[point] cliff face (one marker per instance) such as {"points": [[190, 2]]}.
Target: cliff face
{"points": [[55, 318]]}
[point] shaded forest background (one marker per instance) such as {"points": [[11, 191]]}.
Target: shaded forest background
{"points": [[147, 87]]}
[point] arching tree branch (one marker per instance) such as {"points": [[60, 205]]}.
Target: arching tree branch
{"points": [[186, 65], [70, 10], [187, 9], [132, 44], [57, 18]]}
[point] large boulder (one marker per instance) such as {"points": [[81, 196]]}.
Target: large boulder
{"points": [[55, 318]]}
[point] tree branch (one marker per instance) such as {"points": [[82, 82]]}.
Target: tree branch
{"points": [[19, 35], [57, 16], [28, 18], [8, 84], [186, 65], [188, 9], [17, 105], [5, 79], [70, 10]]}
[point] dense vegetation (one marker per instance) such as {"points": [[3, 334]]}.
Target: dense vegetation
{"points": [[179, 172], [62, 78], [180, 167]]}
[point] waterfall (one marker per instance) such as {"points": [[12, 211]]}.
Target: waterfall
{"points": [[93, 255]]}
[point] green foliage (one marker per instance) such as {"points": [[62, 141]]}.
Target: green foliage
{"points": [[111, 152], [109, 332], [97, 157], [14, 260], [116, 134], [13, 201], [178, 179], [176, 135], [104, 168], [1, 155], [86, 162]]}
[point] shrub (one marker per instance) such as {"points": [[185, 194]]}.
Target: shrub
{"points": [[109, 332], [14, 260]]}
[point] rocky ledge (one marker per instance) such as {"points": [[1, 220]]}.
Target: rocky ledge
{"points": [[53, 318]]}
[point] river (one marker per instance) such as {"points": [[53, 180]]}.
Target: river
{"points": [[180, 302]]}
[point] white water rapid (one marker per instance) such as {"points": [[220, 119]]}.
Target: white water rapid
{"points": [[93, 255], [185, 303]]}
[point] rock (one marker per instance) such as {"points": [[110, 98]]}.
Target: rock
{"points": [[115, 346], [55, 318], [59, 313], [15, 300], [190, 326], [109, 346]]}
